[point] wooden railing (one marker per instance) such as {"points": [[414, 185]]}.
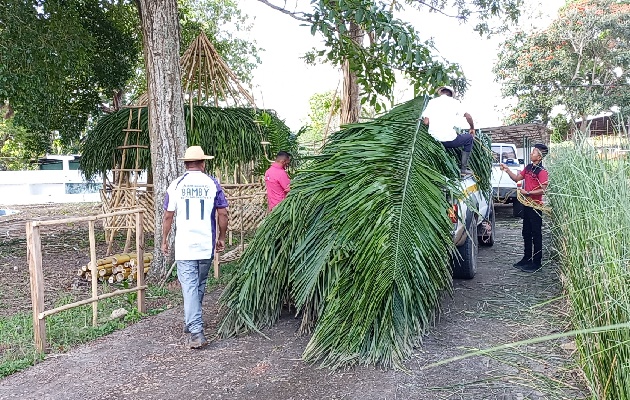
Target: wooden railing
{"points": [[33, 240]]}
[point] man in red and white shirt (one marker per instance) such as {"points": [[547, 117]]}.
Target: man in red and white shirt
{"points": [[536, 179], [277, 181]]}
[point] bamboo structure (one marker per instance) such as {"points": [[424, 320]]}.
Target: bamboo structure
{"points": [[124, 191], [34, 254]]}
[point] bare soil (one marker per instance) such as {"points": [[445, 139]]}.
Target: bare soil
{"points": [[149, 361]]}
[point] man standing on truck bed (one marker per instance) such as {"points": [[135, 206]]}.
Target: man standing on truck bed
{"points": [[536, 180], [441, 117]]}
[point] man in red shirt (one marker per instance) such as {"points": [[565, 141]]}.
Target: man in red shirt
{"points": [[277, 181], [536, 180]]}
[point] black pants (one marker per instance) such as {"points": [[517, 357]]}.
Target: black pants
{"points": [[465, 139], [532, 234]]}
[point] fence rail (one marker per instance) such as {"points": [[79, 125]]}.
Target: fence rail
{"points": [[34, 254]]}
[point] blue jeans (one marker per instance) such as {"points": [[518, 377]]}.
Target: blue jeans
{"points": [[192, 275], [465, 139]]}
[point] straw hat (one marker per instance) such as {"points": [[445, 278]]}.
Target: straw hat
{"points": [[195, 153]]}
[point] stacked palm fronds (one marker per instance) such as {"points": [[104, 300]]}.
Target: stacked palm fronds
{"points": [[116, 268], [232, 135], [360, 247]]}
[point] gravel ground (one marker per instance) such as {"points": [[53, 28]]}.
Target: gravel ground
{"points": [[501, 305]]}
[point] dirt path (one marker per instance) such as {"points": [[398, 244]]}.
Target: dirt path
{"points": [[501, 305]]}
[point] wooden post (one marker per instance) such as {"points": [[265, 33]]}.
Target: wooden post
{"points": [[94, 272], [37, 284], [140, 269]]}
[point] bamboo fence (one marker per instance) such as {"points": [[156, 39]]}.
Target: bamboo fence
{"points": [[34, 255]]}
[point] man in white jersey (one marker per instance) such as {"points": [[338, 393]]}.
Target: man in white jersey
{"points": [[193, 199], [441, 116]]}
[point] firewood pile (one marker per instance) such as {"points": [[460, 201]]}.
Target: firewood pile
{"points": [[116, 268]]}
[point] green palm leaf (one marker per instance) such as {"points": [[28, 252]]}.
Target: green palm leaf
{"points": [[361, 247], [232, 135]]}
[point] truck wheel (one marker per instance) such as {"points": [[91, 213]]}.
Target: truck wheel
{"points": [[517, 209], [487, 231], [465, 267]]}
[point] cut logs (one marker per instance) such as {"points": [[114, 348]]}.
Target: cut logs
{"points": [[116, 268]]}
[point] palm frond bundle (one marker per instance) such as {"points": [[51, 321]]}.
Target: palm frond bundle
{"points": [[232, 135], [360, 248]]}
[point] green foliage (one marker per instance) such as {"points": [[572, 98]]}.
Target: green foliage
{"points": [[14, 142], [67, 60], [323, 118], [280, 138], [560, 129], [393, 45], [591, 231], [580, 62], [232, 135], [360, 248], [60, 59]]}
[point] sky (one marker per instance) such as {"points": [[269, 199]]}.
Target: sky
{"points": [[284, 82]]}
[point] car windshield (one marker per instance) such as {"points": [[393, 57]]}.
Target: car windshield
{"points": [[504, 154]]}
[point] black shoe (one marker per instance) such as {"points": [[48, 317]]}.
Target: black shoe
{"points": [[197, 340], [531, 267], [524, 261]]}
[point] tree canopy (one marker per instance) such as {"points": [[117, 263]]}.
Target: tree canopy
{"points": [[64, 63], [581, 62], [58, 59], [370, 42]]}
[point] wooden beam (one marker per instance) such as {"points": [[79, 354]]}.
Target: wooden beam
{"points": [[37, 284], [94, 274], [140, 254]]}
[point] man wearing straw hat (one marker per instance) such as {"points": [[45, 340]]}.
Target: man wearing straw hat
{"points": [[193, 199], [441, 116], [536, 179]]}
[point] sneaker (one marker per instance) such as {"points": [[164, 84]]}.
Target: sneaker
{"points": [[197, 340], [186, 330], [531, 267], [524, 261]]}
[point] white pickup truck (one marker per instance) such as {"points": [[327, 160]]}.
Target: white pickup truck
{"points": [[473, 225], [503, 187]]}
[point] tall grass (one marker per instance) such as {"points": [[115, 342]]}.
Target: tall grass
{"points": [[590, 199]]}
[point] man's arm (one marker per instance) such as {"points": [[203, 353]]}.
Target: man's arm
{"points": [[470, 123], [512, 175], [222, 215], [285, 182], [167, 223]]}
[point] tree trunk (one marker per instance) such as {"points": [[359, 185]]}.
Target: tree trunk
{"points": [[350, 101], [167, 132]]}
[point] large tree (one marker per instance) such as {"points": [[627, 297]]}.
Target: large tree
{"points": [[581, 62], [167, 129], [367, 40]]}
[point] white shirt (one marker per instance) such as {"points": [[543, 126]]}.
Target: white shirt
{"points": [[194, 197], [443, 113]]}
